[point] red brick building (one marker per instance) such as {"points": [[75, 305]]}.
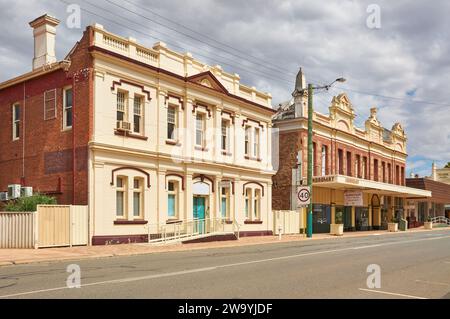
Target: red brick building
{"points": [[370, 161], [47, 120]]}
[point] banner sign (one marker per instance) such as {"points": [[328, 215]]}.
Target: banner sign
{"points": [[353, 198]]}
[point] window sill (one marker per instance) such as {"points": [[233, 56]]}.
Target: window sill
{"points": [[173, 221], [226, 153], [130, 222], [228, 222], [130, 134], [173, 142], [253, 222], [201, 148], [253, 158], [67, 129]]}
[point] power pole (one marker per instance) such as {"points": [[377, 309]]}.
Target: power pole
{"points": [[310, 159]]}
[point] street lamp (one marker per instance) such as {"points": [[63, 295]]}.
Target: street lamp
{"points": [[311, 89]]}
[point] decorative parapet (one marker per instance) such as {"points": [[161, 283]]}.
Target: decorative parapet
{"points": [[181, 64]]}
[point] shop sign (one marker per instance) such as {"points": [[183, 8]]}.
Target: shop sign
{"points": [[353, 198]]}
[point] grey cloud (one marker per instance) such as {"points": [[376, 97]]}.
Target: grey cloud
{"points": [[329, 39]]}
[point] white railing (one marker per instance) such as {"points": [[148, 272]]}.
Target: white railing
{"points": [[440, 220], [191, 229], [126, 47]]}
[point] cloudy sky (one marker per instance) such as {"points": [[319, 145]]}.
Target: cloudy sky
{"points": [[402, 67]]}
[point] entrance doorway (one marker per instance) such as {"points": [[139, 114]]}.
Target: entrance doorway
{"points": [[321, 218], [362, 218], [199, 212]]}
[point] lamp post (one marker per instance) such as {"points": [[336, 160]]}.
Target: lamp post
{"points": [[311, 89]]}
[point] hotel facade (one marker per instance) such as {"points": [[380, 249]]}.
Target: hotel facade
{"points": [[143, 136], [359, 174]]}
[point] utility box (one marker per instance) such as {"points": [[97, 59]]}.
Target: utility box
{"points": [[26, 191], [3, 196], [14, 191], [403, 225]]}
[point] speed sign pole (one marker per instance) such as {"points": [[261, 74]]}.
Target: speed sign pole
{"points": [[310, 159]]}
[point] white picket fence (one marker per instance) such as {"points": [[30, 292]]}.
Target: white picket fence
{"points": [[50, 226]]}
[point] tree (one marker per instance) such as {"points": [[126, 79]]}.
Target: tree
{"points": [[448, 165]]}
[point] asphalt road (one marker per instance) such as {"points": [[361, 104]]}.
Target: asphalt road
{"points": [[413, 265]]}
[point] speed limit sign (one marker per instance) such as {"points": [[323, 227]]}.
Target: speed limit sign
{"points": [[303, 196]]}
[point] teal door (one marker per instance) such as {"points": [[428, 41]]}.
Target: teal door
{"points": [[199, 214]]}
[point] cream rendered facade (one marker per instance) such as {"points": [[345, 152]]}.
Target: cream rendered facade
{"points": [[143, 168]]}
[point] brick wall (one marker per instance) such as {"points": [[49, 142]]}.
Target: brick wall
{"points": [[292, 141], [43, 155]]}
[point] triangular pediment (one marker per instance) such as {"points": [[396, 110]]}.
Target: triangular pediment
{"points": [[207, 79]]}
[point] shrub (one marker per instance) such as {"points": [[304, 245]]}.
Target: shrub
{"points": [[29, 204]]}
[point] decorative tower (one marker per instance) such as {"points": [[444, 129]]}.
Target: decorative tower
{"points": [[300, 95]]}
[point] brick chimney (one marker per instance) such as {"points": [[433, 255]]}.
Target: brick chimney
{"points": [[44, 32]]}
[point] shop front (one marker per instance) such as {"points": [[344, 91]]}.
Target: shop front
{"points": [[358, 204]]}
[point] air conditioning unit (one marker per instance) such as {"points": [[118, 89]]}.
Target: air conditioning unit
{"points": [[3, 196], [123, 126], [14, 191], [26, 191]]}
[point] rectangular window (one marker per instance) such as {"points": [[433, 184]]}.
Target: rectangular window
{"points": [[137, 114], [340, 159], [257, 204], [121, 196], [389, 168], [224, 136], [402, 176], [171, 122], [122, 106], [247, 140], [324, 160], [16, 121], [383, 171], [137, 198], [375, 170], [199, 130], [358, 166], [349, 164], [50, 104], [67, 108], [397, 174], [224, 202], [172, 206], [256, 147], [364, 168], [248, 196]]}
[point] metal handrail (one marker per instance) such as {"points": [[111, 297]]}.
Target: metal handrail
{"points": [[440, 220], [189, 229]]}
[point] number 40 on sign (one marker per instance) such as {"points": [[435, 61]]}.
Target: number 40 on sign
{"points": [[303, 196]]}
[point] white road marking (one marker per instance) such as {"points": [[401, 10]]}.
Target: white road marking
{"points": [[433, 282], [177, 273], [391, 293]]}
